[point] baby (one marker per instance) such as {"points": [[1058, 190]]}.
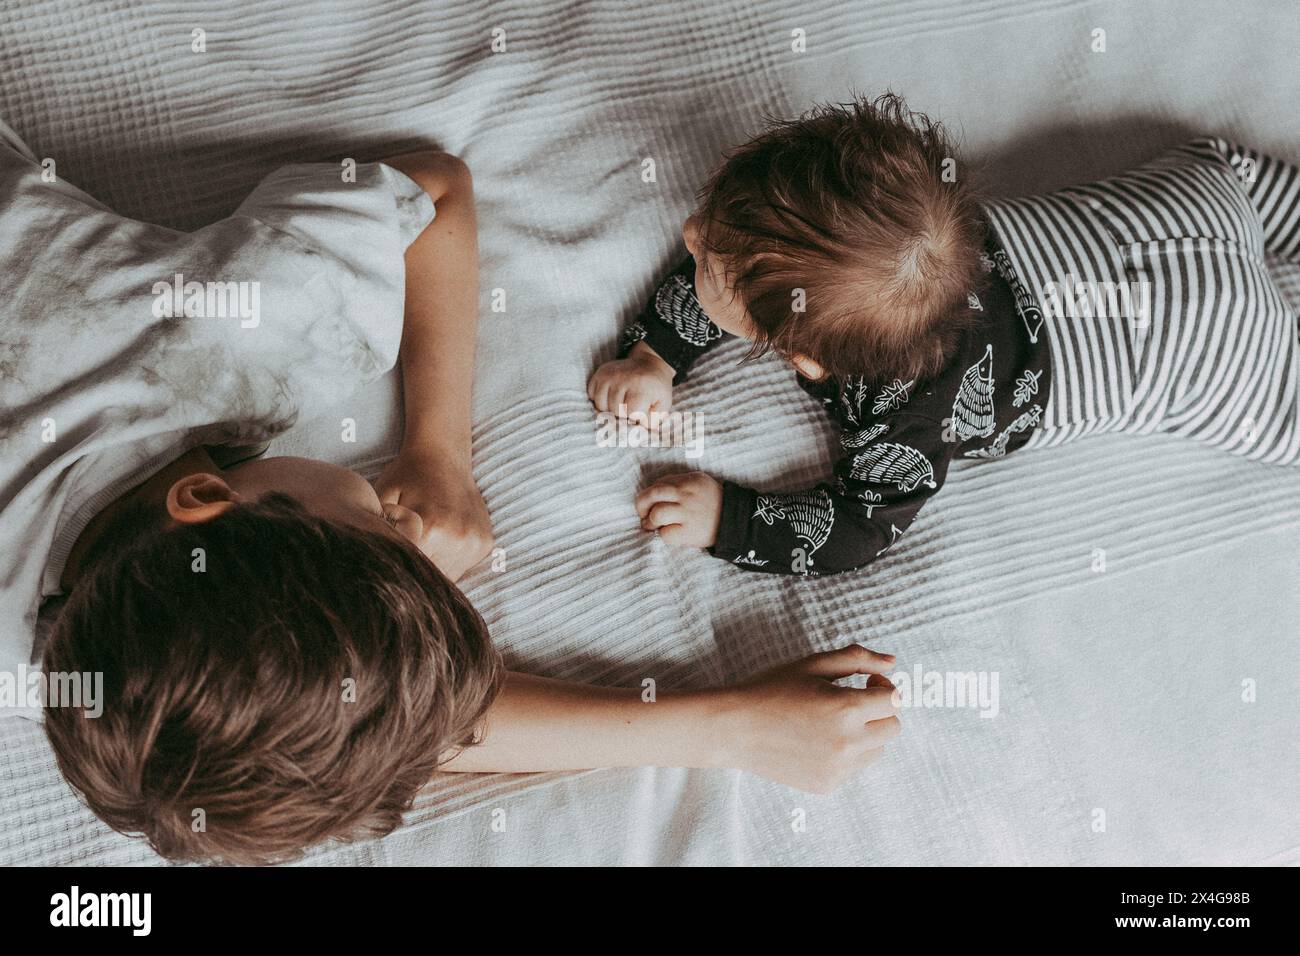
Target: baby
{"points": [[932, 326]]}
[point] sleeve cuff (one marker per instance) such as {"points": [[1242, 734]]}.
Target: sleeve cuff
{"points": [[666, 344], [733, 527], [415, 210]]}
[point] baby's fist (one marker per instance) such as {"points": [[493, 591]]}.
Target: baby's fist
{"points": [[684, 509], [637, 385]]}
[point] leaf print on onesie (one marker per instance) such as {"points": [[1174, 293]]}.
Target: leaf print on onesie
{"points": [[1026, 387], [1028, 419], [972, 409], [768, 509], [895, 532], [865, 437], [890, 463], [893, 396], [810, 515], [676, 302], [852, 395]]}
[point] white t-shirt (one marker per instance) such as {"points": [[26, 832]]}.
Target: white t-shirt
{"points": [[107, 372]]}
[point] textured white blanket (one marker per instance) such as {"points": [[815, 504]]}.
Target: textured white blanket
{"points": [[1121, 734]]}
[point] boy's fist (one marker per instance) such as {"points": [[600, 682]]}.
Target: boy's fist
{"points": [[684, 509], [449, 520], [641, 383]]}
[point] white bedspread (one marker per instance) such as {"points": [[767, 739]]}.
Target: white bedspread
{"points": [[1122, 735]]}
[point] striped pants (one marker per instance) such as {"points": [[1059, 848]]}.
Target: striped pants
{"points": [[1157, 303]]}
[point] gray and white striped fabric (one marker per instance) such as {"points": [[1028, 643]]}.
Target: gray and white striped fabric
{"points": [[1158, 303]]}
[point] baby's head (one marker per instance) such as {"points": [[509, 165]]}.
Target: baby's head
{"points": [[283, 670], [846, 241]]}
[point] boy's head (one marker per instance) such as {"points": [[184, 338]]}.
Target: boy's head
{"points": [[846, 240], [274, 675]]}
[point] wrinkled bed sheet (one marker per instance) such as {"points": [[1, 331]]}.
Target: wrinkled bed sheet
{"points": [[1121, 733]]}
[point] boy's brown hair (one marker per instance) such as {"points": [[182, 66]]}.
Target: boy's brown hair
{"points": [[303, 685], [854, 205]]}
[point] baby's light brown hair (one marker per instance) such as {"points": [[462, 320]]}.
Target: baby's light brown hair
{"points": [[861, 210]]}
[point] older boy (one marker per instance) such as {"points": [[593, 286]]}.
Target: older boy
{"points": [[281, 643]]}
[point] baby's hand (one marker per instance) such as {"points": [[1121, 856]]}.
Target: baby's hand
{"points": [[456, 531], [637, 385], [792, 724], [684, 509]]}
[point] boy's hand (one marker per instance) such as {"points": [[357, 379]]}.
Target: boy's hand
{"points": [[456, 531], [684, 509], [792, 725], [639, 384]]}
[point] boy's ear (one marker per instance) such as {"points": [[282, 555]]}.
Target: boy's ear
{"points": [[197, 498], [808, 368]]}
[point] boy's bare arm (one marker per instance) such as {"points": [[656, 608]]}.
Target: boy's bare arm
{"points": [[431, 474], [790, 724]]}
